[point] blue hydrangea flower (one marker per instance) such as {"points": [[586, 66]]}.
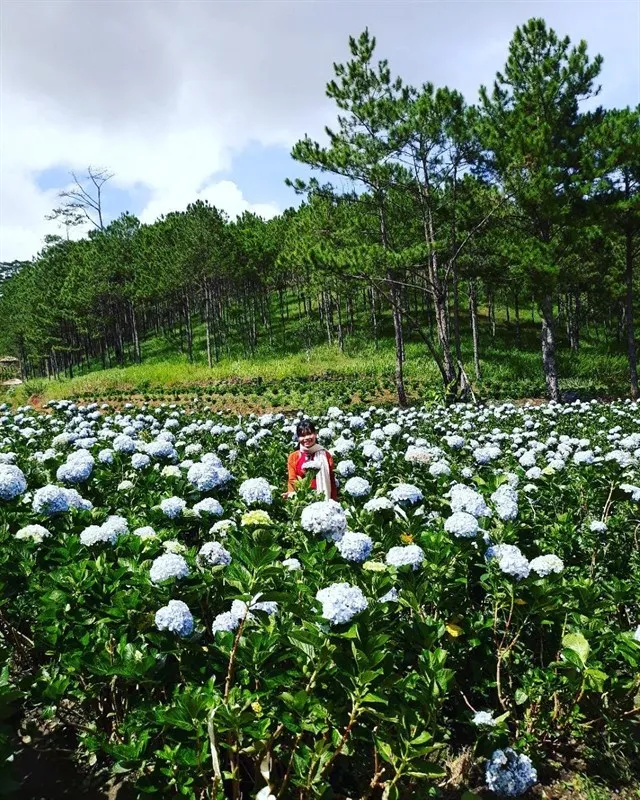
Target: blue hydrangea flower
{"points": [[462, 525], [379, 505], [36, 533], [176, 618], [256, 491], [345, 468], [12, 482], [355, 546], [50, 499], [105, 456], [74, 500], [161, 449], [597, 526], [484, 719], [510, 560], [124, 444], [357, 487], [439, 469], [505, 499], [406, 493], [167, 566], [545, 565], [464, 498], [172, 507], [208, 506], [510, 774], [140, 461], [391, 596], [214, 554], [77, 469], [207, 476], [292, 564], [97, 534], [225, 622], [410, 554], [145, 532], [341, 602], [326, 518]]}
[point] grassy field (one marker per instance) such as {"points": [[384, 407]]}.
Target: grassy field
{"points": [[287, 376]]}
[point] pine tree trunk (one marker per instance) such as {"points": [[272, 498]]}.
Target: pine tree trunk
{"points": [[398, 340], [374, 316], [340, 332], [134, 330], [473, 307], [456, 314], [207, 323], [631, 340], [517, 318], [549, 348]]}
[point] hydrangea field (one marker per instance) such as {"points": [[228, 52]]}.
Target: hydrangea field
{"points": [[464, 622]]}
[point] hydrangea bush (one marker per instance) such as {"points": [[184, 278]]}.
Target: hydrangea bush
{"points": [[474, 593]]}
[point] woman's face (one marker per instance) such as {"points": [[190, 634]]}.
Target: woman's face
{"points": [[308, 439]]}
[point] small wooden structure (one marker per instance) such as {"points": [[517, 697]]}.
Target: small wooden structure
{"points": [[9, 371]]}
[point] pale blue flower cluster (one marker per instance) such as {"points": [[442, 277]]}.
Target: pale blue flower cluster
{"points": [[208, 475], [172, 507], [167, 566], [145, 532], [292, 564], [124, 444], [36, 533], [325, 518], [160, 448], [208, 506], [372, 452], [345, 468], [230, 620], [379, 505], [545, 565], [176, 618], [464, 498], [355, 546], [77, 469], [598, 527], [406, 493], [439, 469], [140, 460], [484, 719], [505, 500], [510, 560], [342, 446], [12, 482], [510, 774], [462, 525], [105, 456], [52, 499], [391, 596], [357, 487], [256, 492], [410, 554], [113, 527], [341, 602], [634, 491], [214, 554]]}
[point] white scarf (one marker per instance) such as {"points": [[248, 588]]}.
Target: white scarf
{"points": [[323, 478]]}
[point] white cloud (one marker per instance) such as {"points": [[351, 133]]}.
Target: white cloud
{"points": [[165, 93]]}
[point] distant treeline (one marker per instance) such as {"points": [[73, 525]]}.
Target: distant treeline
{"points": [[522, 198]]}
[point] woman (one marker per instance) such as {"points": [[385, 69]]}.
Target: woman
{"points": [[311, 456]]}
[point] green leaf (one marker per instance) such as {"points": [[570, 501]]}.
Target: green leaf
{"points": [[520, 697], [578, 644]]}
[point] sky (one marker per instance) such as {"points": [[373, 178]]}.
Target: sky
{"points": [[188, 99]]}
